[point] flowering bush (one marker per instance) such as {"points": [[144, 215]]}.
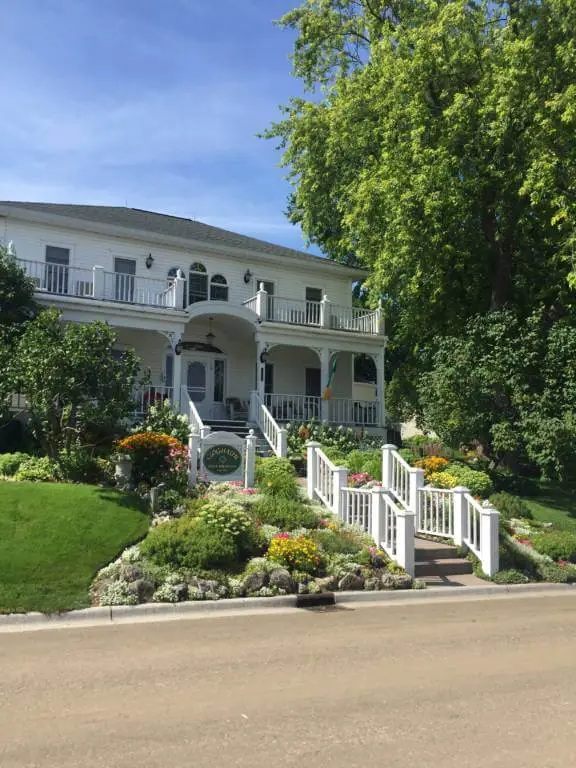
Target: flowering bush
{"points": [[156, 458], [358, 479], [442, 480], [344, 439], [277, 477], [300, 552], [162, 419], [431, 465]]}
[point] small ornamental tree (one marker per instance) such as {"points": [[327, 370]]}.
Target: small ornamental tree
{"points": [[17, 307], [71, 380]]}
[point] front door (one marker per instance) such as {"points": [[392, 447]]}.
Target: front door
{"points": [[206, 385]]}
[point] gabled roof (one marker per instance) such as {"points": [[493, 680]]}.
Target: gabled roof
{"points": [[172, 226]]}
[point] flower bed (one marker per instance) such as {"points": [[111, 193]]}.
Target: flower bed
{"points": [[225, 544]]}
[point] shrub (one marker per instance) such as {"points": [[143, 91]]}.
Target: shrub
{"points": [[442, 480], [343, 439], [335, 455], [10, 462], [408, 455], [286, 514], [163, 419], [557, 574], [510, 576], [478, 483], [40, 470], [78, 465], [336, 540], [171, 499], [301, 552], [559, 545], [189, 542], [277, 477], [510, 506], [156, 458]]}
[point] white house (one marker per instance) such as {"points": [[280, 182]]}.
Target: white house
{"points": [[220, 320]]}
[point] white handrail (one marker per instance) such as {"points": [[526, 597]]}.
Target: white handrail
{"points": [[62, 279], [323, 475], [196, 423], [400, 478], [274, 434], [356, 508], [473, 525]]}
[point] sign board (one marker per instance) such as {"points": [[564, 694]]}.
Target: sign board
{"points": [[222, 457]]}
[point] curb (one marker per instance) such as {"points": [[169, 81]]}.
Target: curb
{"points": [[125, 614]]}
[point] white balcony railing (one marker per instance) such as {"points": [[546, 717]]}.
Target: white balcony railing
{"points": [[319, 314], [152, 395], [59, 278], [132, 289], [361, 413]]}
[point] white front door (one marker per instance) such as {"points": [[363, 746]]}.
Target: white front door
{"points": [[205, 377]]}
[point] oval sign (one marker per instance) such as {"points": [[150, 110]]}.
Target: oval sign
{"points": [[222, 459]]}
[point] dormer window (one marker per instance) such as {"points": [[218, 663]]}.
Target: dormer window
{"points": [[197, 283], [218, 288]]}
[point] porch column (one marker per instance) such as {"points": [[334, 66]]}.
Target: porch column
{"points": [[177, 382], [324, 373], [379, 359], [260, 367]]}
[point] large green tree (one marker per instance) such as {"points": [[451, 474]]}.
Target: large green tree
{"points": [[437, 149]]}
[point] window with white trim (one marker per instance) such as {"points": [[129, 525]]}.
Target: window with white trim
{"points": [[218, 288]]}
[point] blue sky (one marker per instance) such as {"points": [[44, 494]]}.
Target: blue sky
{"points": [[151, 103]]}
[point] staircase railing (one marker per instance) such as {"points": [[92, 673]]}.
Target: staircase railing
{"points": [[274, 434], [453, 513], [373, 510], [188, 407]]}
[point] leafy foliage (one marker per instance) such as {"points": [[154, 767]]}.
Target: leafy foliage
{"points": [[559, 545], [287, 514], [341, 439], [11, 462], [71, 379], [277, 477], [37, 469], [520, 397], [510, 506]]}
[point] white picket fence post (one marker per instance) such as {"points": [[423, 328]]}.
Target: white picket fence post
{"points": [[282, 442], [416, 483], [405, 530], [489, 539], [460, 514], [377, 515], [250, 465], [193, 446], [339, 481], [387, 451], [311, 449]]}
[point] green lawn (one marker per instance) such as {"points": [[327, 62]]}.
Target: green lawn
{"points": [[53, 539], [554, 504]]}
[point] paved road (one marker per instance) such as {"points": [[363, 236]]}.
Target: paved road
{"points": [[470, 684]]}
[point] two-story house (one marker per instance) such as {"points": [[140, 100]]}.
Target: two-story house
{"points": [[221, 321]]}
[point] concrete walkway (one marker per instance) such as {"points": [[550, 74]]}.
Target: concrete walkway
{"points": [[480, 684]]}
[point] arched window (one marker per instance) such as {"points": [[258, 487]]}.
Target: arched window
{"points": [[197, 283], [172, 273], [218, 288]]}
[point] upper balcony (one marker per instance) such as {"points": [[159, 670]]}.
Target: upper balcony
{"points": [[118, 287]]}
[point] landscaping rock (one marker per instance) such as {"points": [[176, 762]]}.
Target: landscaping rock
{"points": [[303, 589], [181, 590], [328, 583], [372, 584], [143, 589], [255, 581], [129, 573], [351, 582], [281, 579], [395, 581], [207, 585]]}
